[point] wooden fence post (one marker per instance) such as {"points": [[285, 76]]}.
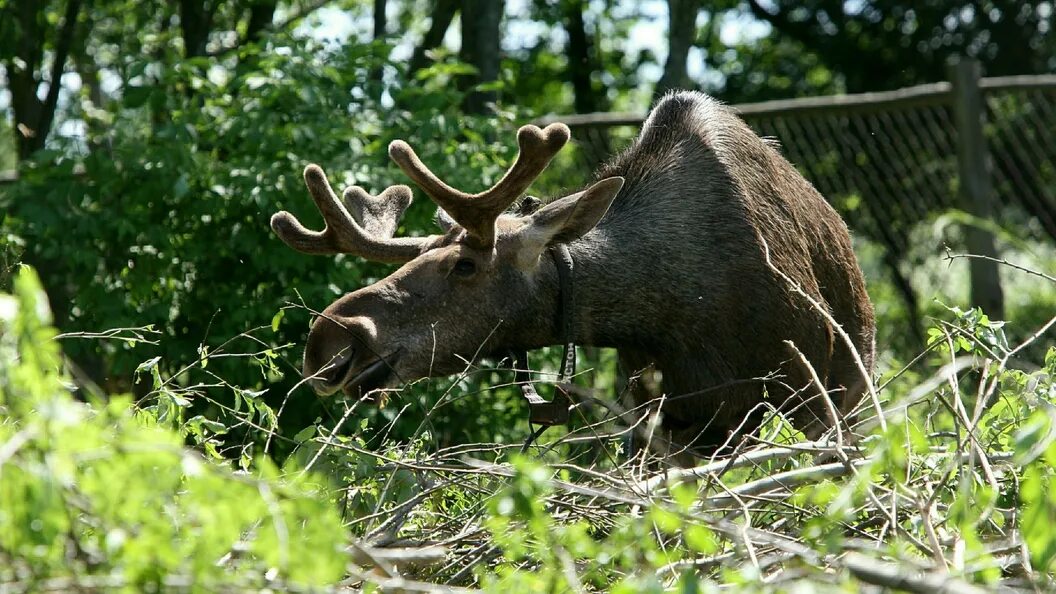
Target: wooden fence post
{"points": [[976, 187]]}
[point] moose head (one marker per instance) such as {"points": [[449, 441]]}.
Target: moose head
{"points": [[479, 288]]}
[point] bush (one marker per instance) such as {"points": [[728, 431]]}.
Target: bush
{"points": [[102, 496]]}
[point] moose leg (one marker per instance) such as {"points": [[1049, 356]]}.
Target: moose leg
{"points": [[846, 380], [639, 376]]}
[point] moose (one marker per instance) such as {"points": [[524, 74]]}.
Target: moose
{"points": [[694, 253]]}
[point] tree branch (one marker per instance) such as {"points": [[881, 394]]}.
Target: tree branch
{"points": [[910, 579]]}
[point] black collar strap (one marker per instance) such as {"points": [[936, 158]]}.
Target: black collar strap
{"points": [[554, 412]]}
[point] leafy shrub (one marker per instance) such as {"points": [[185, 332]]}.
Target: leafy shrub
{"points": [[102, 494]]}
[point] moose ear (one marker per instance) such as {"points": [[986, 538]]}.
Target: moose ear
{"points": [[571, 217]]}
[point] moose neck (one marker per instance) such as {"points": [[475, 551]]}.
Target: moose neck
{"points": [[603, 313]]}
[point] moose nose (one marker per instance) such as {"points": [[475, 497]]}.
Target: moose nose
{"points": [[333, 344]]}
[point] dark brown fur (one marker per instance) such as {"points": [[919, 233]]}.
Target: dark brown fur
{"points": [[673, 275]]}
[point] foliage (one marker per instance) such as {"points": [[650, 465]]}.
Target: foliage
{"points": [[171, 220], [147, 215], [886, 44], [102, 494]]}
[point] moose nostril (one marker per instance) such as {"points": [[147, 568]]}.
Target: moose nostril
{"points": [[339, 367]]}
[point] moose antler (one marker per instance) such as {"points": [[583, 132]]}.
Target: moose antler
{"points": [[477, 212], [358, 224]]}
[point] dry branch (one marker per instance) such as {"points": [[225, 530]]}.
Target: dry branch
{"points": [[901, 577]]}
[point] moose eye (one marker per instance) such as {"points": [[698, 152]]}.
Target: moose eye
{"points": [[464, 267]]}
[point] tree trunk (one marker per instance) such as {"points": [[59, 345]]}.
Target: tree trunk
{"points": [[443, 13], [377, 73], [379, 19], [22, 78], [261, 15], [195, 17], [62, 52], [258, 24], [582, 60], [682, 30], [33, 117], [481, 20]]}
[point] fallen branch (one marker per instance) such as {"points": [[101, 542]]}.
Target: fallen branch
{"points": [[889, 575]]}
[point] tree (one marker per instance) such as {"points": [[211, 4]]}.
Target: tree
{"points": [[379, 34], [379, 18], [682, 31], [261, 16], [885, 44], [583, 62], [481, 47], [443, 12], [25, 36]]}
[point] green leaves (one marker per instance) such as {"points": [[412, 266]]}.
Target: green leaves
{"points": [[971, 331], [108, 493], [169, 224]]}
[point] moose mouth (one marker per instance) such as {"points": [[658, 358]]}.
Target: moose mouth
{"points": [[374, 375]]}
